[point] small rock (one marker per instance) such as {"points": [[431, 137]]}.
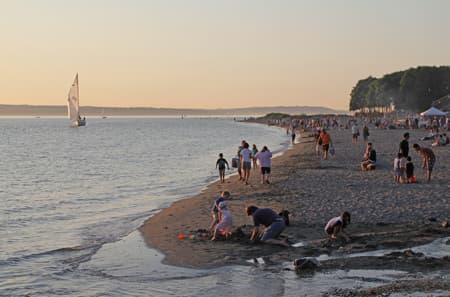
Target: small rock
{"points": [[444, 224], [432, 219], [305, 264]]}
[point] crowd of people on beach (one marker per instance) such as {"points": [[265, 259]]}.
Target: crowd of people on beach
{"points": [[268, 224]]}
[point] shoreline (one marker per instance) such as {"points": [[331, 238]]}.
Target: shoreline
{"points": [[384, 215]]}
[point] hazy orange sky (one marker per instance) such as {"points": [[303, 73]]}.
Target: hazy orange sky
{"points": [[212, 54]]}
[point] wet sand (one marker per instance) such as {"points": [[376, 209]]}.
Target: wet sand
{"points": [[384, 214]]}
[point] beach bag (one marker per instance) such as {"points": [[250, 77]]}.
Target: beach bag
{"points": [[235, 162], [320, 141], [332, 151]]}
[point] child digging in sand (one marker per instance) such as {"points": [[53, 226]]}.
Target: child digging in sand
{"points": [[225, 195], [225, 225], [337, 224]]}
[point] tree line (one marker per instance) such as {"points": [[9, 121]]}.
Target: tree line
{"points": [[413, 90]]}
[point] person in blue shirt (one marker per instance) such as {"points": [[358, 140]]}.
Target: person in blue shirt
{"points": [[225, 195], [271, 220]]}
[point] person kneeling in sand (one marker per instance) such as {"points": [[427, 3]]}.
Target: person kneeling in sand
{"points": [[370, 158], [225, 195], [225, 225], [271, 220], [337, 224]]}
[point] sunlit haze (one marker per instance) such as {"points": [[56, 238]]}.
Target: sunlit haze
{"points": [[212, 54]]}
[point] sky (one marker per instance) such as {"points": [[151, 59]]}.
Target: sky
{"points": [[212, 53]]}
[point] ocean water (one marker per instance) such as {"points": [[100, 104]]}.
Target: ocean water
{"points": [[71, 200]]}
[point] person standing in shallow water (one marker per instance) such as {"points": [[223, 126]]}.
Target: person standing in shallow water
{"points": [[428, 158]]}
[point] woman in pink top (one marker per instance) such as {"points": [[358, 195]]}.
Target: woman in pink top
{"points": [[264, 157]]}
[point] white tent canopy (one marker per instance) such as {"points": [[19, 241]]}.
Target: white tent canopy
{"points": [[432, 111]]}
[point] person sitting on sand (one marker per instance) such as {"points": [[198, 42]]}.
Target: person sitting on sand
{"points": [[428, 158], [225, 195], [337, 224], [370, 158], [221, 163], [264, 157], [271, 220], [447, 139], [225, 224]]}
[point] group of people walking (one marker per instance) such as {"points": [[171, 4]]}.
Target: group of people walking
{"points": [[244, 160]]}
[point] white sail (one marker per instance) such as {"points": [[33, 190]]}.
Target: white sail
{"points": [[73, 104]]}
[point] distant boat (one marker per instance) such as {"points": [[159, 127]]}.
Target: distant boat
{"points": [[73, 105], [103, 114]]}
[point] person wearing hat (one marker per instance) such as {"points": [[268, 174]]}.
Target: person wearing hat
{"points": [[271, 220], [225, 224]]}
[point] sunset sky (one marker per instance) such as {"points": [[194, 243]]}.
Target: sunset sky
{"points": [[212, 54]]}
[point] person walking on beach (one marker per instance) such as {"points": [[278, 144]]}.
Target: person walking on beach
{"points": [[355, 133], [239, 168], [225, 224], [404, 145], [428, 158], [325, 138], [337, 224], [271, 220], [264, 157], [318, 142], [254, 152], [293, 135], [370, 158], [225, 195], [365, 133], [246, 155], [221, 163]]}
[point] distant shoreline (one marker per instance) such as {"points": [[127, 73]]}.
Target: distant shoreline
{"points": [[90, 111]]}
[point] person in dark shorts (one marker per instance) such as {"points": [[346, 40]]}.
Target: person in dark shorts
{"points": [[326, 142], [410, 178], [429, 159], [222, 164], [337, 224], [271, 220], [404, 145], [264, 157]]}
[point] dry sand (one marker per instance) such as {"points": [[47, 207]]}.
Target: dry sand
{"points": [[384, 214]]}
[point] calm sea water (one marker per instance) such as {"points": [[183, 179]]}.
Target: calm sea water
{"points": [[72, 199]]}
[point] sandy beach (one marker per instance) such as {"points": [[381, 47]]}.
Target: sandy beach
{"points": [[384, 214]]}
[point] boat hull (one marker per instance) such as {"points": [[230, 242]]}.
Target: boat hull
{"points": [[80, 123]]}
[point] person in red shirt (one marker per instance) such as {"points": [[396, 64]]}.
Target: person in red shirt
{"points": [[326, 142]]}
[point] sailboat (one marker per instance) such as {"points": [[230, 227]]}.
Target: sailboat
{"points": [[73, 105]]}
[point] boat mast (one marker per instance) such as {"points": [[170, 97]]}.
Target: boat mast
{"points": [[78, 94]]}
